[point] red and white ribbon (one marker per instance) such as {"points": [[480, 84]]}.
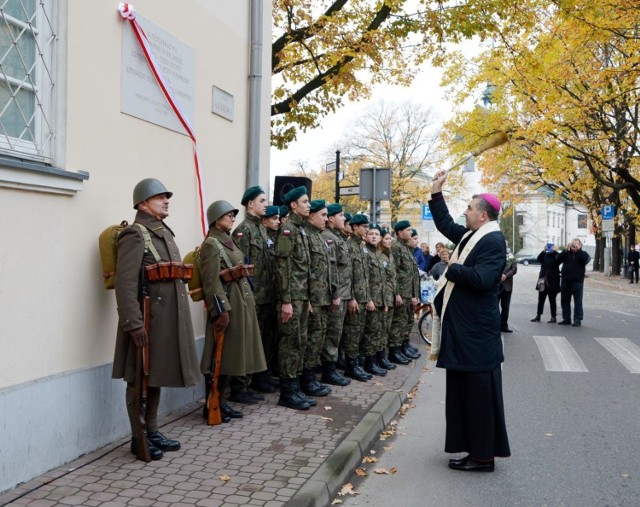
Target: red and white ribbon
{"points": [[128, 12]]}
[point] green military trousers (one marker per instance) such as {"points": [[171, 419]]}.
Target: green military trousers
{"points": [[293, 340], [353, 331], [401, 323], [335, 325], [316, 334]]}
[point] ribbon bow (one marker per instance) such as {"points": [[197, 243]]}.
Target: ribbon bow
{"points": [[127, 11]]}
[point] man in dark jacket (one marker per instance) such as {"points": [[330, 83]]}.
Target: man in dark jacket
{"points": [[466, 306], [573, 260], [633, 257]]}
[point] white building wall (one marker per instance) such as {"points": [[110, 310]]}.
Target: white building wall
{"points": [[58, 327]]}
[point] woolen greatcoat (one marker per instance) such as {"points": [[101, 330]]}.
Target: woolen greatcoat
{"points": [[242, 351], [471, 339], [173, 361]]}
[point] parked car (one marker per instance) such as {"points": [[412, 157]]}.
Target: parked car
{"points": [[528, 259]]}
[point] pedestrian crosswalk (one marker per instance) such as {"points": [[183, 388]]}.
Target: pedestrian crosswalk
{"points": [[559, 355]]}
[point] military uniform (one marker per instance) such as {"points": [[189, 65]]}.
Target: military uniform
{"points": [[354, 322], [172, 354], [373, 320], [407, 286], [323, 289], [252, 239]]}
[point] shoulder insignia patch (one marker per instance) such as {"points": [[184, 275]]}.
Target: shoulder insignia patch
{"points": [[239, 235], [286, 232], [329, 242]]}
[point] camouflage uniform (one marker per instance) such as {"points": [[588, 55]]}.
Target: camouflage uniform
{"points": [[377, 286], [258, 248], [335, 320], [354, 323], [407, 286], [292, 260], [389, 295]]}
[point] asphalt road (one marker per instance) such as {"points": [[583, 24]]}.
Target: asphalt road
{"points": [[572, 398]]}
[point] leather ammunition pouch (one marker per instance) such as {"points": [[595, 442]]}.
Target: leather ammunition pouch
{"points": [[165, 271], [236, 273]]}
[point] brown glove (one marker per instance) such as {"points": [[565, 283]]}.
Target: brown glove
{"points": [[139, 336], [221, 322]]}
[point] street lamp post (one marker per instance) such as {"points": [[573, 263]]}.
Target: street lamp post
{"points": [[337, 175]]}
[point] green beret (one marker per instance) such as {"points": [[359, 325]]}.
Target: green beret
{"points": [[334, 209], [284, 211], [414, 233], [376, 227], [272, 211], [294, 194], [317, 205], [251, 193], [384, 232], [347, 218], [359, 219], [401, 225]]}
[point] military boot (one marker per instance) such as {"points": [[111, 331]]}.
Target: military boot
{"points": [[311, 401], [341, 363], [207, 391], [396, 356], [383, 362], [331, 376], [410, 346], [354, 370], [290, 396], [154, 452], [260, 382], [310, 385], [371, 366], [361, 364], [409, 352]]}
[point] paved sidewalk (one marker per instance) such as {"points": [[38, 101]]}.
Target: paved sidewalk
{"points": [[270, 457]]}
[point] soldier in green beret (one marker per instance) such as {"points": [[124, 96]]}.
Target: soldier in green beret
{"points": [[293, 261], [323, 290], [377, 285], [335, 236], [360, 301], [347, 224], [384, 249], [284, 212], [271, 222], [408, 292], [251, 237]]}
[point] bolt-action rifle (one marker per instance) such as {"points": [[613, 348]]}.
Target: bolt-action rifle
{"points": [[142, 377], [215, 416]]}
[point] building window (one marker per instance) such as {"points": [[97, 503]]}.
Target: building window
{"points": [[582, 221], [519, 219], [27, 40]]}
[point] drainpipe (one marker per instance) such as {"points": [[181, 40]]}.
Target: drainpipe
{"points": [[255, 97]]}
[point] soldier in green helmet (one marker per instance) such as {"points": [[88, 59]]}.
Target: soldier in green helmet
{"points": [[252, 238], [293, 260], [360, 300], [323, 291], [173, 360], [230, 306], [334, 235]]}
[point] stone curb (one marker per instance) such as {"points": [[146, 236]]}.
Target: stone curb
{"points": [[323, 485]]}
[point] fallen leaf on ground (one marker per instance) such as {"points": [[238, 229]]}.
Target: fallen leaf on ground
{"points": [[388, 447], [626, 476], [336, 501], [548, 434], [393, 423], [327, 407], [326, 418], [225, 477], [347, 489], [361, 472], [393, 470], [381, 471], [372, 451], [369, 459]]}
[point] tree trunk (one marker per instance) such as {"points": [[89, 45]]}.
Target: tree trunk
{"points": [[616, 256]]}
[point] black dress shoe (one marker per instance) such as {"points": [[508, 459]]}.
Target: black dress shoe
{"points": [[163, 443], [459, 461], [226, 409], [564, 323], [471, 465], [155, 453], [256, 396], [536, 319], [576, 323], [552, 320], [506, 330], [224, 418]]}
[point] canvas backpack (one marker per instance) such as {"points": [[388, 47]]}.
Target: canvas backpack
{"points": [[193, 257], [109, 253]]}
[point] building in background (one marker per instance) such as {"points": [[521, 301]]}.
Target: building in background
{"points": [[81, 122]]}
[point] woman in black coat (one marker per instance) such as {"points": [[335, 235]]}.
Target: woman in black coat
{"points": [[550, 271]]}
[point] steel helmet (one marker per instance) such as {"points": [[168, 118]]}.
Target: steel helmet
{"points": [[217, 209], [148, 188]]}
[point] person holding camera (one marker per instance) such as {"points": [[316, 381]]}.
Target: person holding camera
{"points": [[574, 261], [550, 273]]}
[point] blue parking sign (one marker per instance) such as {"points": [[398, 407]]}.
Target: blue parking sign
{"points": [[426, 212], [608, 212]]}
